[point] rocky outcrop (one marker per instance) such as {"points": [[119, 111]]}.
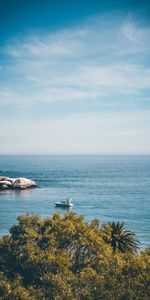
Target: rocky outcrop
{"points": [[21, 183]]}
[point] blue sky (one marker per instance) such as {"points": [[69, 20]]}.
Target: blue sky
{"points": [[74, 77]]}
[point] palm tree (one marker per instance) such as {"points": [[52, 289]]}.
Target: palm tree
{"points": [[119, 238]]}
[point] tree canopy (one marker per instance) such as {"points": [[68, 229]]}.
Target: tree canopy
{"points": [[67, 258], [120, 238]]}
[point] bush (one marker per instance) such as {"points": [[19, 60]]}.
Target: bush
{"points": [[65, 258]]}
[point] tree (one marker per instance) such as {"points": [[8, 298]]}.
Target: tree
{"points": [[65, 258], [120, 238]]}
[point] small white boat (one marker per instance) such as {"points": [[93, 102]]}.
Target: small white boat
{"points": [[64, 203]]}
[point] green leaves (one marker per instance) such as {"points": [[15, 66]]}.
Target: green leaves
{"points": [[119, 238], [66, 258]]}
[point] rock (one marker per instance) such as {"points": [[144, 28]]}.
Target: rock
{"points": [[3, 187], [6, 182], [16, 183], [3, 178], [23, 183]]}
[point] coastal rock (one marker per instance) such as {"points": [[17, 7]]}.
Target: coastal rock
{"points": [[3, 178], [8, 179], [6, 182], [23, 183], [16, 183], [3, 186]]}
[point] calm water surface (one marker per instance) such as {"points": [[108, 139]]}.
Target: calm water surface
{"points": [[107, 187]]}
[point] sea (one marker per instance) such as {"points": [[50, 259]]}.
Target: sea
{"points": [[110, 188]]}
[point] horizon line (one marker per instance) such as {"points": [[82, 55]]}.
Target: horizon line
{"points": [[75, 154]]}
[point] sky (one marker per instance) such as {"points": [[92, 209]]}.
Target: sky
{"points": [[74, 77]]}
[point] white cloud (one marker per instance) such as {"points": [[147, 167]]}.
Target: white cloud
{"points": [[102, 62], [75, 64], [135, 33], [86, 83], [63, 43]]}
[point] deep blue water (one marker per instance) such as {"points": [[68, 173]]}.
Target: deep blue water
{"points": [[107, 187]]}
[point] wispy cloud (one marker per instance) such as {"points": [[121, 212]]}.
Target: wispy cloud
{"points": [[75, 64], [63, 43], [135, 33], [105, 62]]}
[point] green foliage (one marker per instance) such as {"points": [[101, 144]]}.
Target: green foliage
{"points": [[119, 238], [65, 258]]}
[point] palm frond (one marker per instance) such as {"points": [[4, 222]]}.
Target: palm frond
{"points": [[120, 238]]}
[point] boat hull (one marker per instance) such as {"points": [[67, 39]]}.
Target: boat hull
{"points": [[63, 204]]}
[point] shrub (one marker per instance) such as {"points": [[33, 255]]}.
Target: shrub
{"points": [[66, 258]]}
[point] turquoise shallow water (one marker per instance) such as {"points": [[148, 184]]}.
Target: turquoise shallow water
{"points": [[107, 187]]}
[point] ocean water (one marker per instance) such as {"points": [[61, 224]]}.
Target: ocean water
{"points": [[106, 187]]}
